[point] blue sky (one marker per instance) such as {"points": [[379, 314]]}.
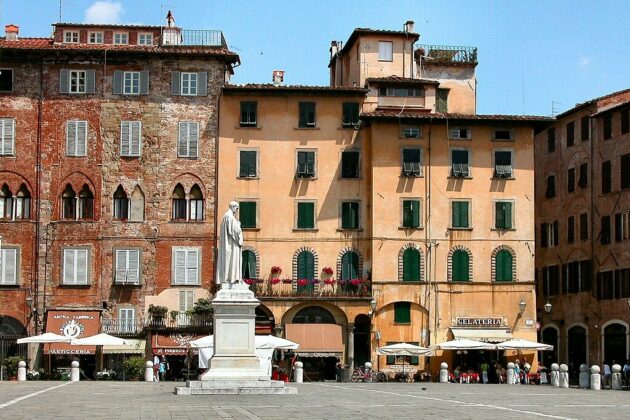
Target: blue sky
{"points": [[530, 52]]}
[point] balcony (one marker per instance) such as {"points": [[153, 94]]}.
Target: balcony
{"points": [[446, 54], [193, 38], [122, 327], [182, 321], [327, 289]]}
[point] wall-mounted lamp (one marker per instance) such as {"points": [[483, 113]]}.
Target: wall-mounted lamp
{"points": [[29, 302], [547, 306], [377, 335], [522, 305], [372, 306]]}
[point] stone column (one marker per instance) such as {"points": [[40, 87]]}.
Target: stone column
{"points": [[148, 371], [21, 373], [584, 376], [564, 376], [596, 379], [443, 373], [350, 351], [555, 375], [510, 374], [74, 371], [616, 377]]}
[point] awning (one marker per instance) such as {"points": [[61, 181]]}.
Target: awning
{"points": [[174, 343], [488, 335], [72, 324], [316, 340], [137, 347]]}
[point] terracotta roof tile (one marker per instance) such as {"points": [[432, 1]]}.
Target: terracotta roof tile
{"points": [[591, 102], [270, 88], [451, 116], [405, 80], [366, 31], [104, 25]]}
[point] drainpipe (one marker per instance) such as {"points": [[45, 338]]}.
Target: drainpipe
{"points": [[38, 177]]}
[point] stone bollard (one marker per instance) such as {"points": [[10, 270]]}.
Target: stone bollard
{"points": [[596, 378], [21, 370], [74, 371], [555, 375], [148, 371], [584, 377], [298, 375], [510, 374], [443, 372], [616, 377], [564, 376]]}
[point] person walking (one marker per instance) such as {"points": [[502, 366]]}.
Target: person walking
{"points": [[163, 368], [626, 372], [607, 376], [484, 371], [156, 368]]}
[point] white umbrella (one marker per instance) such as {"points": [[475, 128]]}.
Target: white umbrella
{"points": [[520, 344], [262, 342], [464, 344], [100, 340], [45, 338], [402, 349]]}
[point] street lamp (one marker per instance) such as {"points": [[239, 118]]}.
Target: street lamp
{"points": [[547, 306], [372, 306], [522, 305]]}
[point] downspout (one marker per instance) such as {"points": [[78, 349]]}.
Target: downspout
{"points": [[427, 233], [216, 188], [38, 177]]}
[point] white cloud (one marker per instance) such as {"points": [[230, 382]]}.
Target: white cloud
{"points": [[104, 12], [585, 62]]}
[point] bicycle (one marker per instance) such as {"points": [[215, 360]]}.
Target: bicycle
{"points": [[364, 374]]}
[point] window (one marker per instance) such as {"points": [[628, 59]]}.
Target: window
{"points": [[305, 215], [130, 138], [409, 360], [127, 320], [71, 37], [6, 203], [605, 230], [305, 271], [350, 164], [195, 204], [179, 203], [549, 234], [570, 229], [613, 284], [503, 214], [249, 114], [583, 227], [460, 215], [349, 270], [186, 263], [570, 134], [441, 100], [460, 166], [385, 51], [411, 132], [411, 265], [551, 140], [607, 122], [75, 266], [136, 213], [77, 81], [412, 161], [249, 264], [9, 266], [503, 164], [411, 214], [551, 186], [248, 214], [585, 128], [248, 164], [127, 266], [606, 177], [583, 181], [625, 120], [551, 280], [459, 133], [503, 134], [95, 37], [189, 84], [76, 138], [22, 204], [625, 171], [350, 215], [622, 226], [460, 261], [305, 164], [191, 209], [68, 203], [188, 140], [402, 92], [85, 205], [121, 38], [571, 180], [307, 115], [6, 80], [350, 115], [131, 83], [7, 136], [576, 276], [186, 300], [145, 39], [121, 204], [402, 313], [503, 266]]}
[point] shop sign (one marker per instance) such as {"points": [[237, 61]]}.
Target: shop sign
{"points": [[72, 324], [479, 322]]}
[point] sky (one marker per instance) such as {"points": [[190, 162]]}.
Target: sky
{"points": [[535, 57]]}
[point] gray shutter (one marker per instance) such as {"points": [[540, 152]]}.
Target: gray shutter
{"points": [[63, 81], [125, 137], [82, 266], [135, 138], [180, 266], [193, 139], [182, 300], [121, 266], [144, 82], [9, 266], [182, 140], [71, 138], [202, 84], [117, 82], [8, 136], [192, 267], [90, 81], [68, 266], [133, 266], [176, 83], [81, 143]]}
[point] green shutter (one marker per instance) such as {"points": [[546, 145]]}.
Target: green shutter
{"points": [[460, 264], [350, 215], [460, 214], [249, 264], [415, 213], [247, 214], [411, 265], [391, 360], [407, 214], [503, 266], [503, 211], [402, 313], [305, 219], [508, 215], [350, 114], [349, 266], [247, 164], [310, 163]]}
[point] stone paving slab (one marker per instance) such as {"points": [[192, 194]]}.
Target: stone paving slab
{"points": [[330, 400]]}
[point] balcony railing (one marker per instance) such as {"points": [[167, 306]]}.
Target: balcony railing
{"points": [[206, 38], [182, 320], [316, 288], [447, 54], [118, 326]]}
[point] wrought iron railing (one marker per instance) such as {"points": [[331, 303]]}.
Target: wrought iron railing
{"points": [[316, 288], [447, 53], [122, 326], [206, 38], [179, 321]]}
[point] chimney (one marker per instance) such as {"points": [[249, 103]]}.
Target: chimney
{"points": [[333, 49], [278, 77], [409, 26], [11, 32]]}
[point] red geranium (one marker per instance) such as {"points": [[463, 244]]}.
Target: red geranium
{"points": [[329, 281], [276, 270], [327, 270], [302, 282], [249, 281], [275, 280], [356, 282]]}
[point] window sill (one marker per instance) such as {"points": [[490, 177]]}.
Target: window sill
{"points": [[307, 128], [306, 229], [188, 157], [460, 228], [411, 138], [115, 284], [495, 229], [131, 156], [347, 178], [451, 139], [349, 229], [188, 221], [504, 140], [246, 178], [249, 127], [411, 176], [8, 156], [459, 177], [410, 228], [76, 221], [80, 286], [250, 229], [185, 285], [306, 178], [511, 178], [9, 286], [349, 127], [124, 222], [402, 323]]}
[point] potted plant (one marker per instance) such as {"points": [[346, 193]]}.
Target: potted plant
{"points": [[328, 271], [275, 280], [276, 271], [11, 365], [202, 307], [157, 311], [134, 368], [174, 315]]}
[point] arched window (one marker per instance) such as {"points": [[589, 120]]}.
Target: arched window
{"points": [[460, 262], [196, 203], [349, 270], [23, 203], [503, 266], [314, 315], [68, 203], [136, 212], [179, 203], [6, 203], [411, 265], [121, 204], [305, 271], [86, 204], [249, 264]]}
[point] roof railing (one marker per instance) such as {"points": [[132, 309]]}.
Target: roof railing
{"points": [[447, 53]]}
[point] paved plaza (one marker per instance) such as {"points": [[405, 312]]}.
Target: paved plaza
{"points": [[330, 400]]}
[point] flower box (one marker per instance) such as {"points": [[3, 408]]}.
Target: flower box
{"points": [[356, 282], [275, 280], [329, 281]]}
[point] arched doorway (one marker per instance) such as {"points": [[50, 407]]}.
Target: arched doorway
{"points": [[576, 348], [550, 336], [615, 343], [265, 321], [362, 329], [10, 330]]}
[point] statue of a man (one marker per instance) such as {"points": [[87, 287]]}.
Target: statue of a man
{"points": [[229, 261]]}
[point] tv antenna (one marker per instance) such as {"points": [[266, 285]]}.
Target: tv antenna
{"points": [[554, 109]]}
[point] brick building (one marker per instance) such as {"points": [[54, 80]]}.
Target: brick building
{"points": [[107, 177]]}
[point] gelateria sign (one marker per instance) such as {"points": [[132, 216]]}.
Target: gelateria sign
{"points": [[479, 322]]}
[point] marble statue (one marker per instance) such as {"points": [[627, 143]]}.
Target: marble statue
{"points": [[229, 260]]}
